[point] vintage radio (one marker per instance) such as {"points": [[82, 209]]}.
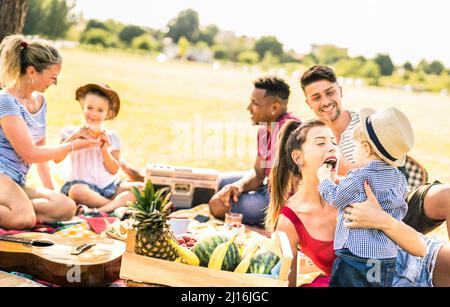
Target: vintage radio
{"points": [[189, 186]]}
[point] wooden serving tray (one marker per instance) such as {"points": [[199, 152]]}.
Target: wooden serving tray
{"points": [[141, 269]]}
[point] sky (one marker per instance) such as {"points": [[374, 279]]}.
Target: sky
{"points": [[408, 30]]}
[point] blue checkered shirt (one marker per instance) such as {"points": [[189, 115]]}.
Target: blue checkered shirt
{"points": [[389, 186]]}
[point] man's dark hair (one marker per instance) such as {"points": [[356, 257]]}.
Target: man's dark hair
{"points": [[274, 86], [317, 73]]}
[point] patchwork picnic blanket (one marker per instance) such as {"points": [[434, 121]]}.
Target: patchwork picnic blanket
{"points": [[37, 228], [78, 226], [193, 212], [93, 225]]}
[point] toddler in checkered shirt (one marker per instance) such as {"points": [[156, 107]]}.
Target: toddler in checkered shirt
{"points": [[367, 257]]}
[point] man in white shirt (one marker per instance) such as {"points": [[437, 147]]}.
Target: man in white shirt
{"points": [[428, 205]]}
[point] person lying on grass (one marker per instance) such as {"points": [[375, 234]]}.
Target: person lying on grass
{"points": [[93, 178]]}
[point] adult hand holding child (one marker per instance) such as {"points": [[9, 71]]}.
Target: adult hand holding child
{"points": [[366, 214], [83, 143], [369, 215]]}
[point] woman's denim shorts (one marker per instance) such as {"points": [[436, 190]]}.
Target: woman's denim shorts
{"points": [[417, 271]]}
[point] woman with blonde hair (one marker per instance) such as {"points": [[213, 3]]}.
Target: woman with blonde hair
{"points": [[28, 69]]}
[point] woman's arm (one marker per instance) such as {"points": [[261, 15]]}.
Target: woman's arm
{"points": [[19, 136], [44, 171], [369, 214], [287, 227], [78, 134], [81, 133]]}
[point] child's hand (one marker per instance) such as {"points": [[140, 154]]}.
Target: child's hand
{"points": [[81, 143], [82, 133], [104, 140], [324, 172]]}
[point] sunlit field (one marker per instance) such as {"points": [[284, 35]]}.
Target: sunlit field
{"points": [[190, 114]]}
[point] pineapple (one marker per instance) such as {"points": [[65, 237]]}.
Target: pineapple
{"points": [[154, 237]]}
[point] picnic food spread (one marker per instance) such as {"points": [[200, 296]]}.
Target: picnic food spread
{"points": [[154, 238], [210, 246]]}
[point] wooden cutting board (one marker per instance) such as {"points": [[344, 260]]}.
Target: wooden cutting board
{"points": [[9, 280]]}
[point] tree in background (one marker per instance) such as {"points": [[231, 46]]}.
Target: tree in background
{"points": [[408, 67], [435, 68], [289, 57], [228, 46], [129, 33], [35, 16], [309, 60], [208, 34], [350, 67], [268, 44], [248, 57], [50, 18], [99, 37], [269, 61], [96, 24], [183, 46], [422, 66], [220, 52], [145, 42], [328, 54], [12, 16], [185, 24], [371, 72], [385, 63]]}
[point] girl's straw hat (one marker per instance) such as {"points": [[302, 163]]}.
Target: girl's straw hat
{"points": [[105, 89]]}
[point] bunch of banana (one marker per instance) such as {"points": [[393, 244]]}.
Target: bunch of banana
{"points": [[245, 263], [254, 242], [270, 245], [185, 254], [218, 255]]}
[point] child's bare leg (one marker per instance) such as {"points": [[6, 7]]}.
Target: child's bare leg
{"points": [[127, 186], [51, 206], [82, 194], [118, 201], [122, 196]]}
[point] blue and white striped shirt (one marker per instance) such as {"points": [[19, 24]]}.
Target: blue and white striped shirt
{"points": [[389, 186], [11, 164]]}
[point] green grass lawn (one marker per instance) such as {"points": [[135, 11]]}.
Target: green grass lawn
{"points": [[161, 100]]}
